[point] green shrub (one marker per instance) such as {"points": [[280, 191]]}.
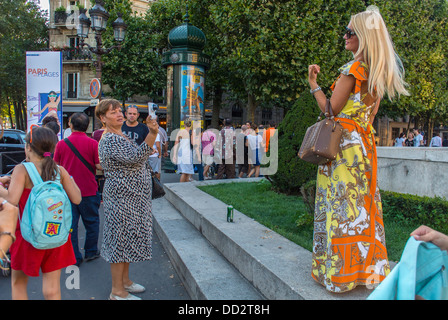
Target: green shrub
{"points": [[60, 9], [432, 212], [308, 191], [293, 172]]}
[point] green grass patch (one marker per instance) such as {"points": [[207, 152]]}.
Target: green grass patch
{"points": [[276, 211], [288, 215]]}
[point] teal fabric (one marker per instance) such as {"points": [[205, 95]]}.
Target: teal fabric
{"points": [[47, 217], [422, 271]]}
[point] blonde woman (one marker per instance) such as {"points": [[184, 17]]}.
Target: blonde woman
{"points": [[349, 246]]}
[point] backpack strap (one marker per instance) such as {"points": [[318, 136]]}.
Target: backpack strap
{"points": [[80, 157], [33, 173]]}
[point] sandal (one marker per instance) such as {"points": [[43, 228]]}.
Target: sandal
{"points": [[128, 297], [135, 288]]}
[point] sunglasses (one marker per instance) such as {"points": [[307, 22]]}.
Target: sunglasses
{"points": [[31, 132], [349, 33], [52, 95]]}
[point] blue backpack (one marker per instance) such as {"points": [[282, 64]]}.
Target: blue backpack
{"points": [[47, 217]]}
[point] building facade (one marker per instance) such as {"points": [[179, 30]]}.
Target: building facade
{"points": [[78, 70]]}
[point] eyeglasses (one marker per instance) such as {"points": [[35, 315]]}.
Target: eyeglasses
{"points": [[349, 33], [31, 132]]}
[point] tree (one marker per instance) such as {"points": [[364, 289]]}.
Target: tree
{"points": [[22, 28], [135, 69], [419, 29], [269, 45], [165, 15]]}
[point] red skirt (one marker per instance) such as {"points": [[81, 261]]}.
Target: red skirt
{"points": [[30, 260]]}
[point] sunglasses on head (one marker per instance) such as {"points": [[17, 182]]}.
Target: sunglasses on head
{"points": [[349, 33], [31, 132]]}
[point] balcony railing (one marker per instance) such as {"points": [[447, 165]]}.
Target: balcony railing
{"points": [[76, 54]]}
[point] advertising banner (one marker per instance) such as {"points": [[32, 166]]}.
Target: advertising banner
{"points": [[192, 93], [43, 86]]}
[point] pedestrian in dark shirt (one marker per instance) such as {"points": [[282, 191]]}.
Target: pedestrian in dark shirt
{"points": [[132, 128]]}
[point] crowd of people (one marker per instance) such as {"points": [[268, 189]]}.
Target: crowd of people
{"points": [[121, 151], [226, 153], [113, 166], [416, 138]]}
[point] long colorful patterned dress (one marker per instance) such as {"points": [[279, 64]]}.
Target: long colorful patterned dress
{"points": [[349, 246]]}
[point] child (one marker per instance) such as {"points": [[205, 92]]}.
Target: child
{"points": [[25, 259]]}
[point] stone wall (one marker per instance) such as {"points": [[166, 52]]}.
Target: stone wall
{"points": [[419, 171]]}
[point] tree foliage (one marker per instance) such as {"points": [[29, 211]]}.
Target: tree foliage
{"points": [[269, 44], [419, 29], [22, 28], [259, 49], [135, 69]]}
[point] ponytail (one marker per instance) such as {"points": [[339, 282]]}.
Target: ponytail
{"points": [[50, 169]]}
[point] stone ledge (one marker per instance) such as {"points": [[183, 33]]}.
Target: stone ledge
{"points": [[205, 273], [277, 267]]}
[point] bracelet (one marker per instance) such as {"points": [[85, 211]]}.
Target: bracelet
{"points": [[315, 90], [3, 265], [13, 237]]}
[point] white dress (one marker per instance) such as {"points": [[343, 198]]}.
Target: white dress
{"points": [[185, 157]]}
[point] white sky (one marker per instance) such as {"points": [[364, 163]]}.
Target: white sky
{"points": [[45, 4]]}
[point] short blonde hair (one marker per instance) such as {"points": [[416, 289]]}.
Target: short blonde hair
{"points": [[386, 72], [104, 105]]}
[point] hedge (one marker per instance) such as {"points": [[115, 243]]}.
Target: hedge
{"points": [[293, 172], [409, 208]]}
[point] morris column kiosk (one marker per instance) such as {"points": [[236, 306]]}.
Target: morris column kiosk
{"points": [[186, 66]]}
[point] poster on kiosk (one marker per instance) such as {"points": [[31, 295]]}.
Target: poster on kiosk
{"points": [[43, 86]]}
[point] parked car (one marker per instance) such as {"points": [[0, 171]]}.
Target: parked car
{"points": [[12, 149]]}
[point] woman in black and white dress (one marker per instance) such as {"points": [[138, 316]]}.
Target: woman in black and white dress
{"points": [[127, 233]]}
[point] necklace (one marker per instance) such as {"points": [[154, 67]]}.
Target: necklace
{"points": [[120, 133]]}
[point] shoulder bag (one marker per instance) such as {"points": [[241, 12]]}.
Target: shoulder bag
{"points": [[322, 140], [157, 186]]}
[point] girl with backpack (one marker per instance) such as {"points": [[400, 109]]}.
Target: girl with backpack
{"points": [[26, 260]]}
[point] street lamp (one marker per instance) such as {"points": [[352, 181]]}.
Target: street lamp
{"points": [[98, 24]]}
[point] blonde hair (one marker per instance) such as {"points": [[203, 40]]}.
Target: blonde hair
{"points": [[386, 72]]}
